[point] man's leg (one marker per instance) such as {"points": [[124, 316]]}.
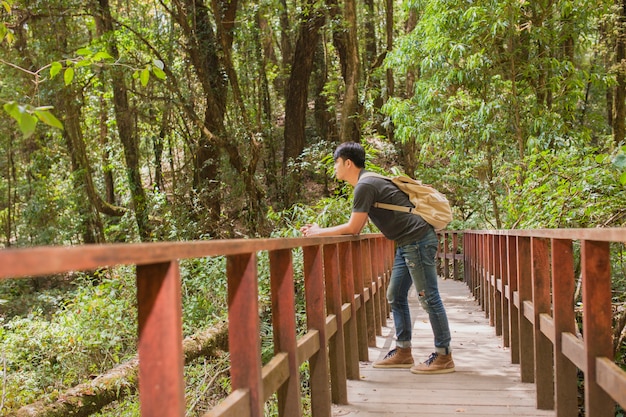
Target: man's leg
{"points": [[422, 265], [397, 296]]}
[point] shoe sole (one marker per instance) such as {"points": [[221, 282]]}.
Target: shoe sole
{"points": [[399, 366], [438, 371]]}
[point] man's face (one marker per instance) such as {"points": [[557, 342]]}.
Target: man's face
{"points": [[340, 167]]}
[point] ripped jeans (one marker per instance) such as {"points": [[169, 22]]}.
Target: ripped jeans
{"points": [[415, 264]]}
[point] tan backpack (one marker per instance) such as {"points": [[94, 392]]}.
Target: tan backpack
{"points": [[428, 202]]}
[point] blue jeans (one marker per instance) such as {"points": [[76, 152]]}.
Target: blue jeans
{"points": [[415, 264]]}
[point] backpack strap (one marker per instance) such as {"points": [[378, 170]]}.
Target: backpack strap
{"points": [[386, 206]]}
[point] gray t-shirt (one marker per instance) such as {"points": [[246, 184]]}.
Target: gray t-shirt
{"points": [[401, 227]]}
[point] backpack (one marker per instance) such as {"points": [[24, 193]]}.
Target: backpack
{"points": [[429, 203]]}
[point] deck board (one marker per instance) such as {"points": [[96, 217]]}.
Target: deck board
{"points": [[485, 382]]}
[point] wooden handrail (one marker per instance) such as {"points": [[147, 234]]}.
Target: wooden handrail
{"points": [[525, 282], [344, 279]]}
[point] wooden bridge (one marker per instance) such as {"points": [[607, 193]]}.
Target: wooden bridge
{"points": [[515, 313]]}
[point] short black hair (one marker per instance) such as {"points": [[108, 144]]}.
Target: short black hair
{"points": [[352, 151]]}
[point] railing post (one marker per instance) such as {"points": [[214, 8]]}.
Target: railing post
{"points": [[347, 297], [563, 288], [357, 261], [514, 338], [284, 324], [544, 364], [336, 348], [379, 298], [525, 289], [455, 263], [498, 286], [244, 328], [316, 320], [160, 345], [505, 288], [597, 322], [368, 300]]}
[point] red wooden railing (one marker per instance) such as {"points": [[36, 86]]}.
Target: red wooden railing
{"points": [[525, 281], [345, 309]]}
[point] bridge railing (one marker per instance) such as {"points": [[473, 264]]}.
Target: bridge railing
{"points": [[344, 279], [526, 280]]}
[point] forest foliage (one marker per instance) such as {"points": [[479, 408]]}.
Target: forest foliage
{"points": [[194, 119]]}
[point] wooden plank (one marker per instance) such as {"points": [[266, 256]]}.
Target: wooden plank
{"points": [[284, 325], [348, 310], [244, 328], [513, 299], [485, 382], [274, 374], [316, 320], [360, 299], [597, 321], [563, 288], [544, 357], [50, 260], [612, 379], [308, 345], [160, 344], [524, 286], [598, 234], [336, 347], [237, 404]]}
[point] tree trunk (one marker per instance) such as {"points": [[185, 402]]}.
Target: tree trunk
{"points": [[619, 95], [125, 124], [350, 123], [297, 93]]}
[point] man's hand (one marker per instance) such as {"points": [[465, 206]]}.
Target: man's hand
{"points": [[310, 229]]}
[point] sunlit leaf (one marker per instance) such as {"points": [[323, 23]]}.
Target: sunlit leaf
{"points": [[100, 56], [27, 124], [48, 118], [622, 178], [158, 63], [158, 73], [68, 75], [13, 110], [84, 52], [55, 68], [7, 6], [145, 76]]}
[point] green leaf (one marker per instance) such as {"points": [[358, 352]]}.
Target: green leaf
{"points": [[100, 56], [601, 158], [145, 76], [622, 178], [55, 68], [620, 161], [84, 52], [68, 75], [13, 110], [158, 72], [48, 118], [7, 6], [27, 124]]}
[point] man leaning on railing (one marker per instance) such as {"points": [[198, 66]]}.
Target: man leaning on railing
{"points": [[414, 262]]}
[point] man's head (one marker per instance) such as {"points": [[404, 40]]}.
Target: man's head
{"points": [[352, 151], [349, 161]]}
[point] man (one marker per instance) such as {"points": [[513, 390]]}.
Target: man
{"points": [[416, 248]]}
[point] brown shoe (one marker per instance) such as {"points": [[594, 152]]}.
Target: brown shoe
{"points": [[435, 364], [396, 358]]}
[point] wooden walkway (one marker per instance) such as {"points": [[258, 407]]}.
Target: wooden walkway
{"points": [[485, 382]]}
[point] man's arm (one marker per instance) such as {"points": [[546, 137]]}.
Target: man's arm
{"points": [[352, 227]]}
